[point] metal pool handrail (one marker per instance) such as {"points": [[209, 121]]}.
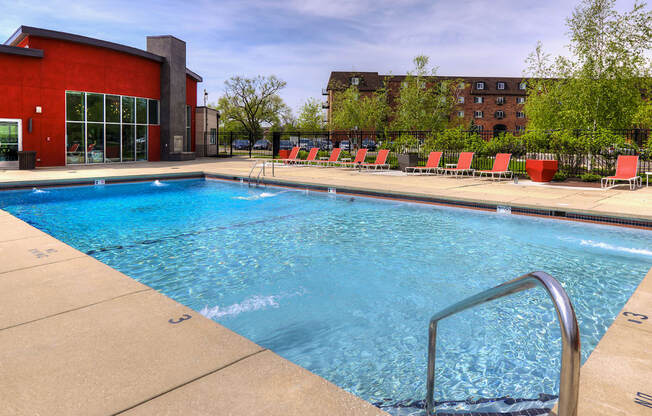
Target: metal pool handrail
{"points": [[569, 375]]}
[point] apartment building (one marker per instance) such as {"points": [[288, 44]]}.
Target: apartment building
{"points": [[492, 103]]}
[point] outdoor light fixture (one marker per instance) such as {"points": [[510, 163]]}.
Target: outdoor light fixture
{"points": [[39, 110]]}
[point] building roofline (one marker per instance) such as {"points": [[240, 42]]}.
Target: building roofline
{"points": [[14, 50], [194, 75], [24, 31]]}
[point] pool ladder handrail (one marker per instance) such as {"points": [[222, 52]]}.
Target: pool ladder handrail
{"points": [[260, 172], [569, 375]]}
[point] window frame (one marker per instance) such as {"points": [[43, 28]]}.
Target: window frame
{"points": [[105, 122], [480, 85], [478, 114], [500, 85]]}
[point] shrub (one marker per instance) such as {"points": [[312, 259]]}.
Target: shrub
{"points": [[504, 143], [590, 177], [302, 154], [403, 144], [454, 140], [560, 177]]}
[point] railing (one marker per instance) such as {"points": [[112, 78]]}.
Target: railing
{"points": [[569, 376]]}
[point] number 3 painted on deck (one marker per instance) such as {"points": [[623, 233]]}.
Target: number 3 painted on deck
{"points": [[640, 317], [184, 317]]}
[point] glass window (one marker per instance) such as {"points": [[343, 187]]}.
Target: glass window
{"points": [[500, 100], [112, 108], [75, 143], [355, 81], [113, 142], [141, 142], [460, 113], [520, 100], [520, 114], [95, 107], [8, 141], [213, 136], [128, 110], [141, 110], [500, 114], [478, 114], [522, 86], [153, 111], [95, 142], [500, 85], [479, 85], [128, 148], [478, 100], [460, 99], [75, 106]]}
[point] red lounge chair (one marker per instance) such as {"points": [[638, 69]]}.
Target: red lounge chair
{"points": [[626, 169], [332, 160], [381, 161], [463, 165], [359, 159], [500, 167], [311, 157], [73, 148], [292, 157], [432, 164]]}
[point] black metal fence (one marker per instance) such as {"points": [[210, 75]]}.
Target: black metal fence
{"points": [[573, 164]]}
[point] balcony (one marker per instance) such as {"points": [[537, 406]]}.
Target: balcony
{"points": [[324, 91], [325, 104]]}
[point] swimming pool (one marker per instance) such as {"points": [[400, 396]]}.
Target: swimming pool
{"points": [[344, 286]]}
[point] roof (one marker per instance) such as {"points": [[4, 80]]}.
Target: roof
{"points": [[23, 31], [369, 81], [193, 75], [13, 50], [372, 81]]}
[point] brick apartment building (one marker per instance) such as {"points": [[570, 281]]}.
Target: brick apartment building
{"points": [[492, 103]]}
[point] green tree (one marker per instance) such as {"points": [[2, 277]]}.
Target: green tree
{"points": [[252, 103], [603, 82], [310, 116], [353, 110], [421, 106]]}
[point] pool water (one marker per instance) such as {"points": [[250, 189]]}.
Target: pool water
{"points": [[345, 286]]}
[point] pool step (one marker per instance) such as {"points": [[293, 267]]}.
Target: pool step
{"points": [[500, 406]]}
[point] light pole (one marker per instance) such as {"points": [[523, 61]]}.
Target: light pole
{"points": [[205, 123]]}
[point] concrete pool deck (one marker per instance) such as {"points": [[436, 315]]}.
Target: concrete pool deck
{"points": [[78, 337]]}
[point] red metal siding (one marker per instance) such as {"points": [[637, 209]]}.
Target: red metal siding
{"points": [[30, 82], [191, 100]]}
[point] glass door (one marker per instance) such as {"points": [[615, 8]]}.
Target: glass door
{"points": [[10, 142]]}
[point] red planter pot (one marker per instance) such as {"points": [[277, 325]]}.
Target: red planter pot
{"points": [[283, 154], [541, 170]]}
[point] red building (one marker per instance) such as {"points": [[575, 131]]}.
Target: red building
{"points": [[493, 104], [78, 100]]}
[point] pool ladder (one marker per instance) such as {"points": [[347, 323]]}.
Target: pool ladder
{"points": [[569, 375], [261, 171]]}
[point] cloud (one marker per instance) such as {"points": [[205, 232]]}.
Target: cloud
{"points": [[302, 41]]}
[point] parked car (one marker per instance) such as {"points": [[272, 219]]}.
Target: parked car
{"points": [[305, 144], [345, 145], [369, 144], [241, 144], [285, 145], [262, 144], [324, 144]]}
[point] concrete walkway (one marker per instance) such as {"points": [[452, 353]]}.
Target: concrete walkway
{"points": [[77, 337]]}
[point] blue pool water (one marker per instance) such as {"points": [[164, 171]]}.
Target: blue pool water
{"points": [[345, 286]]}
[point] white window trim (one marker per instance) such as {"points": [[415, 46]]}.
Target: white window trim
{"points": [[478, 84], [460, 99], [478, 114], [498, 85], [20, 140]]}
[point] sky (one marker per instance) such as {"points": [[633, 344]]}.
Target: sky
{"points": [[302, 41]]}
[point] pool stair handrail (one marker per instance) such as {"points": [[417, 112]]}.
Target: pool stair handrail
{"points": [[569, 375], [261, 171]]}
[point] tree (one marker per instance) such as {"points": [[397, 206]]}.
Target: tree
{"points": [[353, 110], [250, 103], [310, 116], [421, 106], [604, 82]]}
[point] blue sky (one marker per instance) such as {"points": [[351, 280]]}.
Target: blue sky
{"points": [[302, 41]]}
